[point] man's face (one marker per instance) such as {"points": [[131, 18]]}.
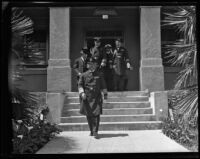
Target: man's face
{"points": [[85, 56], [118, 43], [108, 50], [97, 43]]}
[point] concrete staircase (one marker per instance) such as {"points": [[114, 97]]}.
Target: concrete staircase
{"points": [[122, 111]]}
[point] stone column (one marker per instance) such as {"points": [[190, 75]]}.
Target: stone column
{"points": [[59, 70], [151, 68]]}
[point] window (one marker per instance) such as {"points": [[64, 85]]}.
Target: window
{"points": [[35, 49]]}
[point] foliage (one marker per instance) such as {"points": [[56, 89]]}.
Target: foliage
{"points": [[183, 52], [30, 135], [21, 26], [178, 131], [182, 131], [30, 130]]}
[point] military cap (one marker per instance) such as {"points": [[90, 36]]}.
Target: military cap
{"points": [[108, 46], [119, 39], [98, 39], [84, 51]]}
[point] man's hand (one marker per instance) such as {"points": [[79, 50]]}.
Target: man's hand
{"points": [[79, 74], [103, 64], [128, 65], [83, 96]]}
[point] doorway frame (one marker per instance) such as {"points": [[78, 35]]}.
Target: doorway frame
{"points": [[121, 28]]}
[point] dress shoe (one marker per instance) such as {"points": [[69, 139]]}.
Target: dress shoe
{"points": [[95, 134], [91, 134]]}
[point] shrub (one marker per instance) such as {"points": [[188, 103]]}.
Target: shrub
{"points": [[184, 132], [30, 134]]}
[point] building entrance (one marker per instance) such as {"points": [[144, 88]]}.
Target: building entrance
{"points": [[107, 37]]}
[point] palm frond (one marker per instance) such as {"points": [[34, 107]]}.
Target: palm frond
{"points": [[189, 104], [185, 21], [187, 77], [181, 54], [24, 97], [21, 24]]}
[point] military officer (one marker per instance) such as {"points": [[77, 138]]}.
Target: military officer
{"points": [[121, 63], [91, 85], [97, 54], [109, 67], [80, 64]]}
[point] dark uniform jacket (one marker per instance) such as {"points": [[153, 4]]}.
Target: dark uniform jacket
{"points": [[80, 66], [121, 58], [110, 60], [92, 84], [97, 55]]}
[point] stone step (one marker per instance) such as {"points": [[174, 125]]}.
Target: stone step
{"points": [[117, 94], [113, 126], [110, 105], [110, 118], [115, 111], [111, 99]]}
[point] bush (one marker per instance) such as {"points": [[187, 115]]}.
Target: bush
{"points": [[30, 134], [183, 132]]}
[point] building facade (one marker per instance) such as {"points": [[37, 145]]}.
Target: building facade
{"points": [[61, 32]]}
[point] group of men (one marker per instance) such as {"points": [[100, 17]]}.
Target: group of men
{"points": [[98, 70], [112, 63]]}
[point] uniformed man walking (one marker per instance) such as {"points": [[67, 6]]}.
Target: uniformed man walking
{"points": [[97, 54], [121, 63], [90, 85], [80, 64], [109, 67]]}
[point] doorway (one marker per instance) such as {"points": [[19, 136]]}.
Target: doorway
{"points": [[107, 37]]}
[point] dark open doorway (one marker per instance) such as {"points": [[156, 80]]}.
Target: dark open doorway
{"points": [[104, 41], [107, 37]]}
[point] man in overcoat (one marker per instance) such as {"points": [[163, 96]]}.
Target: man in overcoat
{"points": [[121, 64], [109, 67], [91, 85], [80, 64], [97, 54]]}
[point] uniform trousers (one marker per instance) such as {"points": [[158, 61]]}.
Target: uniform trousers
{"points": [[93, 122], [120, 82]]}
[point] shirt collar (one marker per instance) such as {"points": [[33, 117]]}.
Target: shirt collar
{"points": [[82, 58]]}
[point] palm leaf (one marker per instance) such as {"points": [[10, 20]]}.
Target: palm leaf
{"points": [[183, 53], [185, 21], [188, 105]]}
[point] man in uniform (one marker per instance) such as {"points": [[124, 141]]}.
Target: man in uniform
{"points": [[121, 63], [80, 64], [97, 54], [90, 85], [109, 67]]}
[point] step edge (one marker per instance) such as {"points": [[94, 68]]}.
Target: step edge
{"points": [[104, 109], [138, 115], [134, 102], [101, 123], [114, 97]]}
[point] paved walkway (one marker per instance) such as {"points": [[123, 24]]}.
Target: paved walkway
{"points": [[111, 142]]}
